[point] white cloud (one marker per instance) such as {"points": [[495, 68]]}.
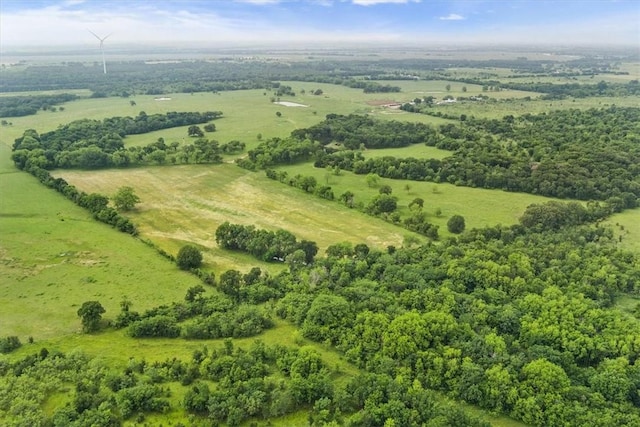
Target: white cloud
{"points": [[374, 2], [452, 17]]}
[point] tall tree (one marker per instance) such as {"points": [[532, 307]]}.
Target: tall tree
{"points": [[90, 314]]}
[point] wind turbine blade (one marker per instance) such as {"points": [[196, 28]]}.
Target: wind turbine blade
{"points": [[105, 37], [97, 36]]}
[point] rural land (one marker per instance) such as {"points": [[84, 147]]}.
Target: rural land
{"points": [[321, 237]]}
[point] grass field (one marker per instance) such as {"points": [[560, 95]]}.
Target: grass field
{"points": [[418, 151], [535, 106], [54, 256], [438, 89], [183, 204], [626, 226], [479, 207]]}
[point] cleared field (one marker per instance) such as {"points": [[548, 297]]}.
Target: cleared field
{"points": [[54, 256], [626, 227], [438, 89], [251, 112], [182, 204], [418, 151], [517, 107], [479, 207]]}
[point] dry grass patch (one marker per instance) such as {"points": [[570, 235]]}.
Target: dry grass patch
{"points": [[182, 204]]}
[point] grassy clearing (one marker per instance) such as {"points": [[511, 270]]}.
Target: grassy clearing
{"points": [[182, 204], [115, 348], [479, 207], [626, 226], [438, 89], [418, 151]]}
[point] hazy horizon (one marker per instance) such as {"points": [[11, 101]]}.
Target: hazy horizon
{"points": [[320, 23]]}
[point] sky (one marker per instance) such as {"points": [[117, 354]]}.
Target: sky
{"points": [[328, 22]]}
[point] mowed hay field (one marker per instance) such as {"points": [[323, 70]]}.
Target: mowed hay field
{"points": [[186, 204]]}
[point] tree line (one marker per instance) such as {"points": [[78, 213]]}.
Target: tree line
{"points": [[536, 154], [94, 144], [97, 204], [17, 106], [265, 245]]}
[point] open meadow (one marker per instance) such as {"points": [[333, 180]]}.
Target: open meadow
{"points": [[186, 204], [54, 256], [480, 207]]}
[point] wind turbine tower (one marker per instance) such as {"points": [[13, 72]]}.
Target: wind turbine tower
{"points": [[102, 39]]}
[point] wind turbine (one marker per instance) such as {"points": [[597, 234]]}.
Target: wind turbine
{"points": [[102, 39]]}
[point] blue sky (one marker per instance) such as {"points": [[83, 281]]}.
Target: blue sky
{"points": [[329, 22]]}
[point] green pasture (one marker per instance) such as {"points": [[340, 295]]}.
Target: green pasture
{"points": [[518, 107], [250, 113], [418, 151], [480, 207], [186, 204], [78, 92], [438, 89], [54, 256]]}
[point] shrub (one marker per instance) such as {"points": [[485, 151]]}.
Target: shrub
{"points": [[456, 224], [8, 344], [189, 257]]}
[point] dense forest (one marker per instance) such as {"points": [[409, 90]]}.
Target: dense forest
{"points": [[539, 154]]}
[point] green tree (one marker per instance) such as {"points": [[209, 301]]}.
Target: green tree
{"points": [[278, 113], [230, 283], [195, 131], [385, 189], [194, 293], [448, 87], [372, 179], [90, 314], [456, 224], [125, 199], [382, 203], [209, 127], [418, 201], [189, 257]]}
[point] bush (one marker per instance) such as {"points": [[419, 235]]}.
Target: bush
{"points": [[456, 224], [8, 344], [189, 257]]}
